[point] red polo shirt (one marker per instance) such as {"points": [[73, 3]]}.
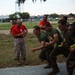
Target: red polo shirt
{"points": [[42, 23], [12, 27], [16, 30]]}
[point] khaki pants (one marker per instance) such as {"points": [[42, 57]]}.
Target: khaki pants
{"points": [[20, 48]]}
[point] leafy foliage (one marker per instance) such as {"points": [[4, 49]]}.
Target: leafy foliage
{"points": [[24, 15], [22, 1]]}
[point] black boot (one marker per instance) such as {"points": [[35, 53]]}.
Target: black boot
{"points": [[55, 71], [48, 66], [70, 73]]}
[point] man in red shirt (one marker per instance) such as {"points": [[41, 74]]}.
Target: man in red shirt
{"points": [[43, 22], [18, 32]]}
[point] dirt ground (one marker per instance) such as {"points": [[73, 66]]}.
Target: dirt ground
{"points": [[7, 32]]}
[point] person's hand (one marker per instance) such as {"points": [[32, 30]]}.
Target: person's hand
{"points": [[21, 34], [72, 50], [63, 44], [47, 44], [50, 38], [24, 33], [33, 50], [72, 65]]}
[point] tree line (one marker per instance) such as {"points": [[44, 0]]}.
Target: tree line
{"points": [[24, 15]]}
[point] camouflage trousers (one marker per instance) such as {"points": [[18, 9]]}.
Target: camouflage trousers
{"points": [[20, 49], [71, 57], [53, 56], [45, 52]]}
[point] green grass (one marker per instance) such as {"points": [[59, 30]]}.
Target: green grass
{"points": [[7, 51], [7, 26], [28, 26]]}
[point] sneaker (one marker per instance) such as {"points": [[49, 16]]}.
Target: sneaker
{"points": [[54, 72], [48, 66]]}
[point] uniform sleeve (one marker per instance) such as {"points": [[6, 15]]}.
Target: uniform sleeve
{"points": [[55, 31], [43, 38]]}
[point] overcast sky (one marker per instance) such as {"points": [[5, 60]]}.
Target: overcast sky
{"points": [[39, 8]]}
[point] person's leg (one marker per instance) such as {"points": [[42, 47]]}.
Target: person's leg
{"points": [[65, 51], [70, 58], [53, 58], [42, 55], [48, 51], [17, 50], [23, 49]]}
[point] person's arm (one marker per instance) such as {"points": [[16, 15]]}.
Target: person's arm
{"points": [[40, 47], [42, 27], [54, 40], [64, 42], [25, 31], [17, 35]]}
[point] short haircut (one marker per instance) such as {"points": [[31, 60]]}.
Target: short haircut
{"points": [[48, 24], [37, 28], [13, 22], [62, 22], [73, 24], [65, 17], [46, 16]]}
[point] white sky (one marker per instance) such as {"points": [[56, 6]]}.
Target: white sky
{"points": [[39, 8]]}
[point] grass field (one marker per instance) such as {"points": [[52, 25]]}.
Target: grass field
{"points": [[7, 26], [7, 51]]}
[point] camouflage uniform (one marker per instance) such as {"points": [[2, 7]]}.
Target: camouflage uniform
{"points": [[71, 56], [45, 52], [59, 49]]}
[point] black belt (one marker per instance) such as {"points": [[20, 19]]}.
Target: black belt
{"points": [[18, 37]]}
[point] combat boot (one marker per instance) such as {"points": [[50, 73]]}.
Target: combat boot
{"points": [[54, 71]]}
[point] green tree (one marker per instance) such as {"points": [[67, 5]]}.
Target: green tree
{"points": [[12, 16], [54, 15], [22, 1], [24, 15], [72, 15]]}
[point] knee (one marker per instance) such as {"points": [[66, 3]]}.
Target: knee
{"points": [[52, 57], [42, 57]]}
